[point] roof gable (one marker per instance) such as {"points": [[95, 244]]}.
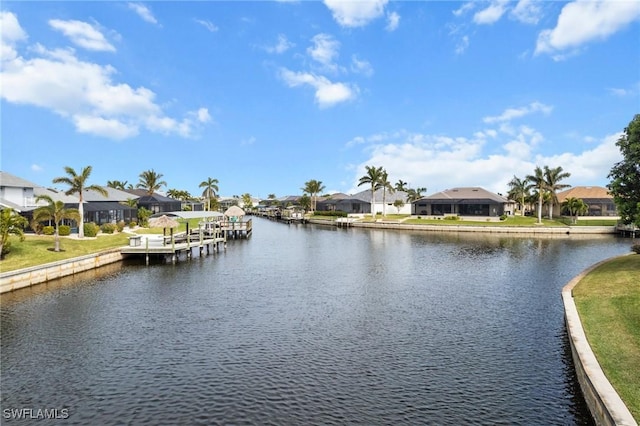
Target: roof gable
{"points": [[12, 181], [465, 193], [585, 192]]}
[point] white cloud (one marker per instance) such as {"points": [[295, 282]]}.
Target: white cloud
{"points": [[12, 33], [208, 25], [355, 13], [512, 113], [36, 168], [466, 7], [106, 127], [324, 50], [327, 93], [393, 20], [462, 45], [440, 162], [492, 13], [361, 66], [281, 46], [85, 93], [527, 12], [143, 12], [82, 34], [581, 22]]}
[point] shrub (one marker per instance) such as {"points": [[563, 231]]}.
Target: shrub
{"points": [[64, 230], [335, 213], [503, 217], [133, 224], [91, 229], [120, 226], [452, 218], [108, 228], [636, 248], [48, 230]]}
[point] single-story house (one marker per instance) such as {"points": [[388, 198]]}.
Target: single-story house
{"points": [[466, 201], [599, 200], [110, 209], [155, 202], [360, 203], [327, 204]]}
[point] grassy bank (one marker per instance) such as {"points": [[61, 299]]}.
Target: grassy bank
{"points": [[608, 301], [34, 250]]}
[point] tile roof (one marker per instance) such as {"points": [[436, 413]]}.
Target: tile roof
{"points": [[9, 180], [465, 193], [584, 193]]}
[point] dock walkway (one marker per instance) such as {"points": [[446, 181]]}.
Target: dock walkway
{"points": [[174, 245]]}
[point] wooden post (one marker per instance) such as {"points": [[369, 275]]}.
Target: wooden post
{"points": [[147, 249]]}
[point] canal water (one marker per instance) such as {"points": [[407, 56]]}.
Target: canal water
{"points": [[306, 325]]}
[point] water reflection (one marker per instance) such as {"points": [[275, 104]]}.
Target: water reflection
{"points": [[310, 325]]}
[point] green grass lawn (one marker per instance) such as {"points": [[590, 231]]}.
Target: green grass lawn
{"points": [[608, 301], [34, 250], [510, 221]]}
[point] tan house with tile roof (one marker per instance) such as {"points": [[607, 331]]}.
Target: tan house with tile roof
{"points": [[598, 198]]}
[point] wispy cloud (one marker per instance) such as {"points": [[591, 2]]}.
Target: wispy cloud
{"points": [[513, 113], [492, 13], [82, 34], [207, 24], [143, 12], [281, 46], [393, 21], [325, 50], [327, 93]]}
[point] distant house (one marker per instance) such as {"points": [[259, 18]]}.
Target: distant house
{"points": [[327, 204], [360, 203], [599, 200], [155, 202], [110, 209], [467, 201], [17, 193]]}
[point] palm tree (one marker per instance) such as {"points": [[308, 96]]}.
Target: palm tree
{"points": [[150, 181], [77, 185], [313, 188], [247, 203], [576, 207], [401, 185], [415, 194], [116, 184], [372, 178], [56, 212], [538, 181], [553, 178], [519, 190], [11, 223], [210, 190], [386, 186]]}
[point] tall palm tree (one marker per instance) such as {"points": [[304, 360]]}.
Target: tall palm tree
{"points": [[519, 190], [372, 178], [116, 184], [56, 212], [313, 188], [386, 186], [77, 185], [553, 178], [575, 206], [210, 190], [11, 223], [538, 181], [150, 181], [401, 185]]}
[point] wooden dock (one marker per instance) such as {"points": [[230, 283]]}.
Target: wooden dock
{"points": [[172, 246], [282, 216]]}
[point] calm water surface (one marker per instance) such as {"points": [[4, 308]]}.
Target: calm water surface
{"points": [[309, 325]]}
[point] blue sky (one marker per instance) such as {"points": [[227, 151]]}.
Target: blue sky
{"points": [[264, 96]]}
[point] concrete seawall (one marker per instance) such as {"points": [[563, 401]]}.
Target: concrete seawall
{"points": [[606, 406], [21, 278], [538, 230]]}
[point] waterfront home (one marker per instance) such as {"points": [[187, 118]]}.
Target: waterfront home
{"points": [[17, 193], [329, 203], [110, 209], [360, 203], [599, 200], [155, 202], [465, 201]]}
